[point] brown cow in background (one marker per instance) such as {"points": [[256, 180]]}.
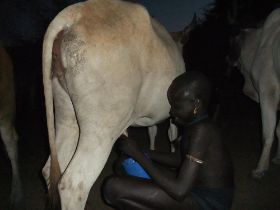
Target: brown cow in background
{"points": [[7, 128]]}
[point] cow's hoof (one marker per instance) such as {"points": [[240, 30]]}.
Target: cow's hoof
{"points": [[256, 174], [276, 160], [16, 197]]}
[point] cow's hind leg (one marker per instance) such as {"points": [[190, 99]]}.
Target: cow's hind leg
{"points": [[67, 131], [268, 104], [99, 128], [10, 139], [276, 159], [83, 170]]}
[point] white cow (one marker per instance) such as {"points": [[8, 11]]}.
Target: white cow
{"points": [[260, 66], [7, 128], [113, 70]]}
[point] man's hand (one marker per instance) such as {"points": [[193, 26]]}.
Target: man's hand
{"points": [[128, 146]]}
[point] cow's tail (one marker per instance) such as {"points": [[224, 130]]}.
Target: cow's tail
{"points": [[64, 19]]}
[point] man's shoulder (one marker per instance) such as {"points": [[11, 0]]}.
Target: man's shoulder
{"points": [[209, 131], [207, 125]]}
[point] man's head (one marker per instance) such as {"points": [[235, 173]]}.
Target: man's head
{"points": [[188, 96]]}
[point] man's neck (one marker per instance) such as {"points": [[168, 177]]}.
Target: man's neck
{"points": [[198, 119]]}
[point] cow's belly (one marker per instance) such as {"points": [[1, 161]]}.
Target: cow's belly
{"points": [[153, 107], [156, 111]]}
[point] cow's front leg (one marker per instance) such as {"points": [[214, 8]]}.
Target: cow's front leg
{"points": [[152, 130], [86, 165], [10, 140], [172, 134], [268, 104], [276, 159]]}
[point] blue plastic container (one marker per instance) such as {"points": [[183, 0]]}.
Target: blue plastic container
{"points": [[133, 168]]}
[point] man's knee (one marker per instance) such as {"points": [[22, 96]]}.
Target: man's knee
{"points": [[111, 189]]}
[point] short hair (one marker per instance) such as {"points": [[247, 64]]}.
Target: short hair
{"points": [[194, 82]]}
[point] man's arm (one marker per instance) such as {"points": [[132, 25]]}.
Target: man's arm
{"points": [[165, 158], [181, 185]]}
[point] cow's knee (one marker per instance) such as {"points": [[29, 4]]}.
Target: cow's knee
{"points": [[10, 139], [73, 195], [46, 172]]}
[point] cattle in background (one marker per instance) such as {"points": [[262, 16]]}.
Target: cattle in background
{"points": [[7, 126], [112, 65], [260, 65], [205, 51]]}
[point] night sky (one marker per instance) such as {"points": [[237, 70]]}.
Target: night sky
{"points": [[18, 16], [175, 14]]}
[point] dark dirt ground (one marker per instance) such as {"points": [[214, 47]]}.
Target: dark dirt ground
{"points": [[239, 117]]}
